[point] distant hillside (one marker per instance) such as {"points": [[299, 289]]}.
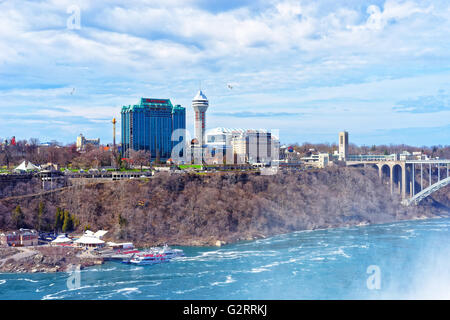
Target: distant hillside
{"points": [[200, 209]]}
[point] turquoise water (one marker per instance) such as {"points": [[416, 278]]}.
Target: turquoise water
{"points": [[412, 259]]}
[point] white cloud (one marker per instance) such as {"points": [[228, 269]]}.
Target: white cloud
{"points": [[393, 10]]}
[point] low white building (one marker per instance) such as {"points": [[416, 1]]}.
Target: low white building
{"points": [[124, 245], [61, 239], [91, 240], [319, 160]]}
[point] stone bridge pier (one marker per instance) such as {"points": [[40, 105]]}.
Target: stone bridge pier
{"points": [[398, 174]]}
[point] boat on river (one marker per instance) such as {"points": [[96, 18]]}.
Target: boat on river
{"points": [[149, 258], [169, 252], [154, 255]]}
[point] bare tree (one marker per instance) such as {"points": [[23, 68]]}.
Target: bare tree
{"points": [[140, 157]]}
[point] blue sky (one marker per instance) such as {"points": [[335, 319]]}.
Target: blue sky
{"points": [[378, 69]]}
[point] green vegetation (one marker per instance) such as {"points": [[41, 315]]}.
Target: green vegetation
{"points": [[122, 221], [40, 215], [59, 219], [195, 166], [64, 221], [4, 169], [18, 218], [68, 222]]}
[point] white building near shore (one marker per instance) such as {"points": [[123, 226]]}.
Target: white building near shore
{"points": [[61, 239], [91, 240]]}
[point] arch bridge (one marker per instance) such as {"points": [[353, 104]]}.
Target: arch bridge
{"points": [[407, 176]]}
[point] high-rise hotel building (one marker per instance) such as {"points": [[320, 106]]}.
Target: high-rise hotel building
{"points": [[149, 126]]}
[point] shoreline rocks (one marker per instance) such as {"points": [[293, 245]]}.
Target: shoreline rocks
{"points": [[43, 259]]}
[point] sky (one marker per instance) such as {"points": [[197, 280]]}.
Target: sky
{"points": [[378, 69]]}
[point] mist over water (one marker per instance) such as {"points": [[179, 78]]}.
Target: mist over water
{"points": [[412, 258]]}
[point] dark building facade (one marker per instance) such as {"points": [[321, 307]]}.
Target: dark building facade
{"points": [[149, 126]]}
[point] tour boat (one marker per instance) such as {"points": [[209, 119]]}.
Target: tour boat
{"points": [[155, 255], [170, 253], [148, 258]]}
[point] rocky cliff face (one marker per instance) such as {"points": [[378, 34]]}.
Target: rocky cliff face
{"points": [[190, 209]]}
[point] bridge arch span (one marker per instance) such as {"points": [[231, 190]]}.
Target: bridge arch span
{"points": [[426, 192]]}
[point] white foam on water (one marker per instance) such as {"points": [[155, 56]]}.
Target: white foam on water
{"points": [[55, 295], [134, 269], [98, 270], [270, 265], [2, 281], [340, 251], [127, 291], [147, 282], [258, 270], [318, 259], [229, 279], [438, 230], [229, 255], [28, 280], [122, 291], [189, 290]]}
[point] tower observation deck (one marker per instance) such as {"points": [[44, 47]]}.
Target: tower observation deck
{"points": [[200, 105]]}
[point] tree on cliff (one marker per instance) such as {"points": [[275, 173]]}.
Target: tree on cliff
{"points": [[18, 218], [140, 158], [59, 219], [122, 224], [122, 221], [68, 222], [40, 213]]}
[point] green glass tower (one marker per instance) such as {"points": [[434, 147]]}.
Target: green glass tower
{"points": [[149, 126]]}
